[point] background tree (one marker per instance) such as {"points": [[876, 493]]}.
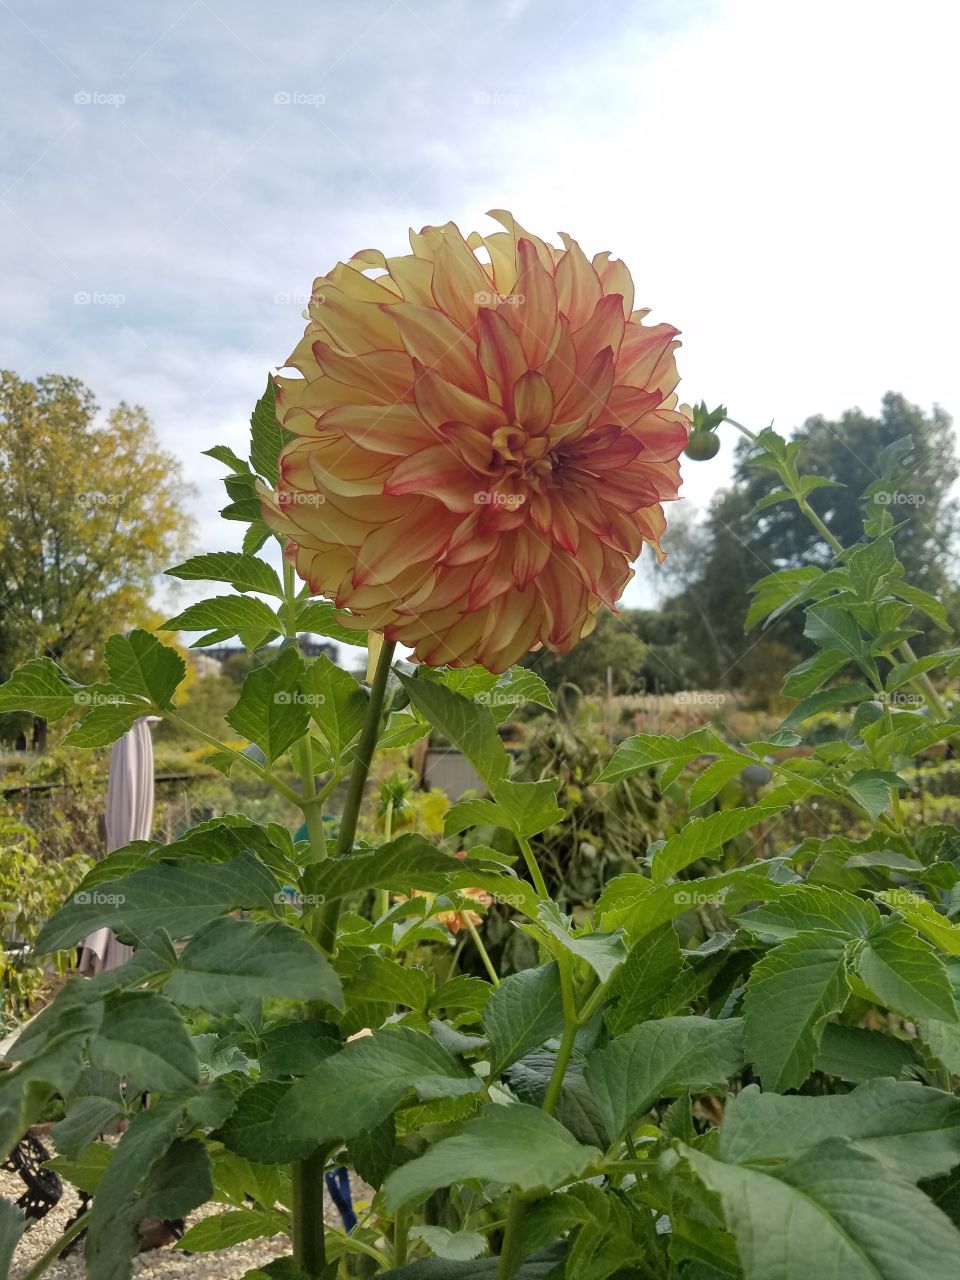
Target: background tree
{"points": [[90, 515], [714, 565]]}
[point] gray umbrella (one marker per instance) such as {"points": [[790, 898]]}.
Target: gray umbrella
{"points": [[129, 817]]}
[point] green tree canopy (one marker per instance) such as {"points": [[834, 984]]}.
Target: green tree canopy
{"points": [[90, 515]]}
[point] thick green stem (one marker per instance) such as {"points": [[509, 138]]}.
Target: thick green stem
{"points": [[484, 954], [536, 875], [511, 1251], [51, 1254], [309, 1242], [330, 913]]}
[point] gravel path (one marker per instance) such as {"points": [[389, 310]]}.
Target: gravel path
{"points": [[164, 1264]]}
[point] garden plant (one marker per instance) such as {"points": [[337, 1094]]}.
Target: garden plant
{"points": [[719, 1071]]}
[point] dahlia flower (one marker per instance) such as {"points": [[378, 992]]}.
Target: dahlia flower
{"points": [[484, 431]]}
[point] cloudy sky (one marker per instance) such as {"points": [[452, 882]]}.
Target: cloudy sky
{"points": [[781, 179]]}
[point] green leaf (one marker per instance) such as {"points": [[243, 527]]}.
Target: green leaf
{"points": [[834, 1211], [813, 909], [257, 1128], [357, 1088], [811, 674], [646, 750], [701, 836], [577, 1108], [905, 973], [470, 727], [87, 1169], [85, 1119], [243, 572], [834, 628], [907, 671], [106, 721], [12, 1224], [266, 438], [40, 687], [337, 703], [838, 696], [295, 1048], [515, 687], [323, 618], [380, 979], [223, 1230], [873, 788], [714, 777], [912, 1128], [271, 711], [603, 951], [228, 616], [517, 1145], [539, 1266], [661, 1059], [176, 1179], [177, 896], [778, 592], [791, 993], [142, 1036], [943, 1041], [230, 962], [525, 808], [408, 862], [856, 1054], [923, 601], [371, 1152], [223, 453], [138, 664], [650, 970], [457, 1246], [523, 1013]]}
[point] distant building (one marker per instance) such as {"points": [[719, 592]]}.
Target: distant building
{"points": [[209, 661]]}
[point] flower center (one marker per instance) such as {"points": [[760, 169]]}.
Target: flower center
{"points": [[521, 454]]}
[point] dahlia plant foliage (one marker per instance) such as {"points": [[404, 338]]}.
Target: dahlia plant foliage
{"points": [[729, 1065]]}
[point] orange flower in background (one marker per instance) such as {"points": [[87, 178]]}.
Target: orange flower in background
{"points": [[485, 431]]}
